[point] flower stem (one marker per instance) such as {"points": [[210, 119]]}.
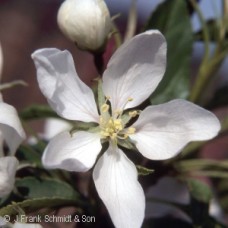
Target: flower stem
{"points": [[99, 62]]}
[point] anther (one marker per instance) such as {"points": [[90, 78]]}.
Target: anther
{"points": [[105, 108], [131, 130], [133, 113]]}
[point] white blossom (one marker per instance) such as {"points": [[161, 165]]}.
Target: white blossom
{"points": [[87, 22], [161, 131], [12, 133]]}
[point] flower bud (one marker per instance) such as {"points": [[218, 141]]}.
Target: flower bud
{"points": [[85, 22]]}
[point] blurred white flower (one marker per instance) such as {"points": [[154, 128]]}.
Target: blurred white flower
{"points": [[11, 131], [161, 131], [87, 22], [162, 199]]}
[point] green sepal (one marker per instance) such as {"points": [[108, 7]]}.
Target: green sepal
{"points": [[126, 143], [143, 171]]}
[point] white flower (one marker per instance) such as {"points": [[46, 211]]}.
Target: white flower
{"points": [[12, 132], [160, 132], [87, 22], [11, 129]]}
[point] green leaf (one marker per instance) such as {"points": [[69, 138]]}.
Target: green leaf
{"points": [[172, 19], [214, 174], [143, 171], [201, 164], [32, 205], [204, 167], [199, 190], [31, 187], [29, 154], [36, 112], [200, 198]]}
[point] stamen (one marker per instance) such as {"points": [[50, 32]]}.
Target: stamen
{"points": [[105, 108], [131, 130], [120, 112], [133, 113]]}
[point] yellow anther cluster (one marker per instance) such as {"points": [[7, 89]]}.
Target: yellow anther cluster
{"points": [[111, 124], [111, 128]]}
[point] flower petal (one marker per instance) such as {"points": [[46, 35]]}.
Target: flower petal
{"points": [[8, 166], [76, 152], [11, 127], [163, 130], [135, 69], [59, 82], [115, 178], [54, 126]]}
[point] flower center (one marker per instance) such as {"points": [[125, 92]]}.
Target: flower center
{"points": [[113, 127]]}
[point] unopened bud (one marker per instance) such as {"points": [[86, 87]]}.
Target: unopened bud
{"points": [[85, 22]]}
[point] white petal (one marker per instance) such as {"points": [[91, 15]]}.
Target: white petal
{"points": [[59, 82], [163, 130], [8, 166], [135, 69], [54, 126], [115, 178], [76, 152], [11, 127]]}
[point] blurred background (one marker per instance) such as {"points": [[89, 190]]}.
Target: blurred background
{"points": [[26, 25]]}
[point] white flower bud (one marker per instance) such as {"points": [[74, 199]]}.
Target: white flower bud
{"points": [[85, 22]]}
